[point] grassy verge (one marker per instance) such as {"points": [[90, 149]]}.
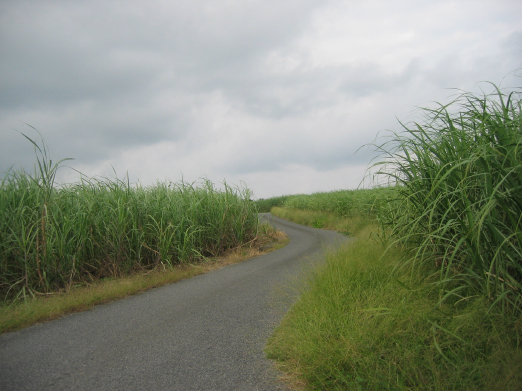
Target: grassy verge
{"points": [[344, 203], [341, 203], [347, 225], [85, 296], [431, 298], [265, 204], [361, 325]]}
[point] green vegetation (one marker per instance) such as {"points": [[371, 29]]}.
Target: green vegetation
{"points": [[360, 325], [81, 297], [429, 295], [53, 237], [347, 225], [344, 203], [345, 211], [460, 208], [264, 205], [86, 295]]}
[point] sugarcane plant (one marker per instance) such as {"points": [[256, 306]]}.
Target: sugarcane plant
{"points": [[458, 172]]}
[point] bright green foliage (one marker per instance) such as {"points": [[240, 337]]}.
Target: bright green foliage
{"points": [[435, 303], [52, 236], [361, 325], [460, 177]]}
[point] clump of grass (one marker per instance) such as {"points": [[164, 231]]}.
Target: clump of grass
{"points": [[52, 236], [341, 203], [360, 325], [346, 211], [459, 176]]}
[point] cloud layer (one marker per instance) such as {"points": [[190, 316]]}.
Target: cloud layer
{"points": [[279, 94]]}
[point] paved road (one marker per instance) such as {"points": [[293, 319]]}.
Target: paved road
{"points": [[205, 333]]}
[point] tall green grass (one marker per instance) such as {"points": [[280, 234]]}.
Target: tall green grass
{"points": [[265, 204], [341, 203], [359, 324], [344, 203], [436, 302], [459, 177], [346, 225], [52, 236]]}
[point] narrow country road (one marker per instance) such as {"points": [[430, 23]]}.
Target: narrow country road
{"points": [[204, 333]]}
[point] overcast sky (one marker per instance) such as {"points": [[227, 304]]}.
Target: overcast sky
{"points": [[279, 94]]}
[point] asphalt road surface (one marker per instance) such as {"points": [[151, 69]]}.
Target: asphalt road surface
{"points": [[204, 333]]}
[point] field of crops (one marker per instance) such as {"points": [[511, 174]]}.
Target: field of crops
{"points": [[342, 203], [54, 236]]}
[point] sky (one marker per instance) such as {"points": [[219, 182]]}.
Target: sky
{"points": [[280, 96]]}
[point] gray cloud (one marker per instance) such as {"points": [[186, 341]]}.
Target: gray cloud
{"points": [[99, 69], [235, 87]]}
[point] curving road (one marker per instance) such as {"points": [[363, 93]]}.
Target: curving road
{"points": [[205, 333]]}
